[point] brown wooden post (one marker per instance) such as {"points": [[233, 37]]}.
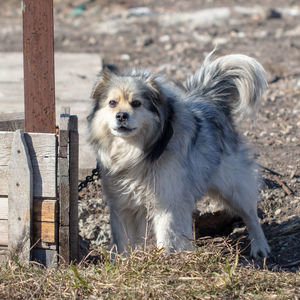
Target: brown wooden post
{"points": [[38, 49]]}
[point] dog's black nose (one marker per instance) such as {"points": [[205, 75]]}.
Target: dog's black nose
{"points": [[122, 116]]}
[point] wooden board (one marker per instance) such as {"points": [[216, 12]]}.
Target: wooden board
{"points": [[44, 232], [38, 49], [11, 121], [3, 208], [3, 233], [20, 199], [45, 210], [45, 256], [45, 220], [64, 186], [73, 166], [42, 148]]}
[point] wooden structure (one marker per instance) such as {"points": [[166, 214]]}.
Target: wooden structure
{"points": [[39, 167], [38, 50], [38, 194]]}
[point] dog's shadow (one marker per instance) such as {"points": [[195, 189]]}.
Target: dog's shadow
{"points": [[283, 239]]}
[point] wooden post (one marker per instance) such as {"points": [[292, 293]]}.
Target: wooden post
{"points": [[38, 49], [73, 180], [68, 186]]}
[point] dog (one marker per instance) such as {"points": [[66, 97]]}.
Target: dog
{"points": [[162, 147]]}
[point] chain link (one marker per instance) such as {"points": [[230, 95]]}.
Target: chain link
{"points": [[90, 178]]}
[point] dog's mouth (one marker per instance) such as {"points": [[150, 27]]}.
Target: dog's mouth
{"points": [[124, 130]]}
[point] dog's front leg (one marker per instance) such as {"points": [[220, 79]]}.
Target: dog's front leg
{"points": [[173, 229], [118, 232], [127, 228]]}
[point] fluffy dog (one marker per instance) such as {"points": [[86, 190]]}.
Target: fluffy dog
{"points": [[162, 147]]}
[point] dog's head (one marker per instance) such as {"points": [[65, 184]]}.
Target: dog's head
{"points": [[131, 106]]}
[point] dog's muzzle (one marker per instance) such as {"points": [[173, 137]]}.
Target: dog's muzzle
{"points": [[122, 123], [122, 117]]}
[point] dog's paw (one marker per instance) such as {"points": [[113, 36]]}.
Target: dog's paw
{"points": [[260, 248]]}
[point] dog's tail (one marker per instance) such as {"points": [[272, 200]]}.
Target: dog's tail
{"points": [[236, 82]]}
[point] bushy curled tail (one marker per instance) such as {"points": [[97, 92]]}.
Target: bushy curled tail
{"points": [[236, 82]]}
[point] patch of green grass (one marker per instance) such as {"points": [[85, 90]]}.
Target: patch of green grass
{"points": [[211, 272]]}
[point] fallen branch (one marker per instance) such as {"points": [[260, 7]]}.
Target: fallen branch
{"points": [[278, 180], [284, 186]]}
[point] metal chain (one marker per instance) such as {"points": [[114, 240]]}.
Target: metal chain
{"points": [[90, 178]]}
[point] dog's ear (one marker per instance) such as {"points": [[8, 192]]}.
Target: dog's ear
{"points": [[156, 95], [103, 77]]}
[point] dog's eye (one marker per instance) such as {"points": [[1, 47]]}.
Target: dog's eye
{"points": [[136, 103], [112, 103]]}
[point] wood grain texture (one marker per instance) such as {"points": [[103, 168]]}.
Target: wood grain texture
{"points": [[20, 199], [38, 49], [42, 148]]}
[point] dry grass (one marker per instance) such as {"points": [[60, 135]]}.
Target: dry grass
{"points": [[211, 272]]}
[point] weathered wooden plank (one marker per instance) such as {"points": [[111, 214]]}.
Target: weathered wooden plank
{"points": [[6, 139], [45, 257], [3, 232], [20, 199], [3, 208], [11, 121], [45, 210], [44, 232], [64, 242], [42, 148], [64, 186], [45, 223], [73, 166], [38, 49]]}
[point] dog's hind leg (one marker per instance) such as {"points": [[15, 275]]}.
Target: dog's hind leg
{"points": [[238, 189]]}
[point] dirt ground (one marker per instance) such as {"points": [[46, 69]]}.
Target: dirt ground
{"points": [[172, 37]]}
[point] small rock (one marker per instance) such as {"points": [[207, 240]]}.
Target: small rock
{"points": [[148, 41], [139, 11], [125, 57], [277, 212], [164, 38], [273, 14], [220, 41], [293, 32]]}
